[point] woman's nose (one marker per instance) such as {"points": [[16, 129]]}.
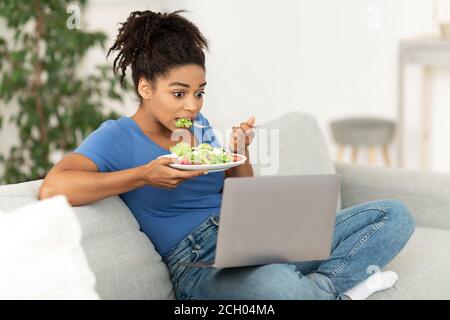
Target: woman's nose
{"points": [[191, 106]]}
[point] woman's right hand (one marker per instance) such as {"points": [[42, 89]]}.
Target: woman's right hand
{"points": [[157, 173]]}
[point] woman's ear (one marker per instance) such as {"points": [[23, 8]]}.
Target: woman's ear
{"points": [[144, 89]]}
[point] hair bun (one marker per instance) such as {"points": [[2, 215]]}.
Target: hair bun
{"points": [[153, 42]]}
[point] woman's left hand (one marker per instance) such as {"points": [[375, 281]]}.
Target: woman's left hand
{"points": [[242, 136]]}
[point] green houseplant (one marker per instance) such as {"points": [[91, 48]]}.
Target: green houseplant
{"points": [[57, 107]]}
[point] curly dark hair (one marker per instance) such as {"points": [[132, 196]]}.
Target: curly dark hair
{"points": [[154, 43]]}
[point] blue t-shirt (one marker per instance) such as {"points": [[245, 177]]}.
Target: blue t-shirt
{"points": [[165, 216]]}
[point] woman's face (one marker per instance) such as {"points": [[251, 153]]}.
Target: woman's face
{"points": [[177, 95]]}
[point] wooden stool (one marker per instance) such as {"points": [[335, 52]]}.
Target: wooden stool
{"points": [[367, 133]]}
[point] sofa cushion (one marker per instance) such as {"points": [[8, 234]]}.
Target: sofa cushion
{"points": [[422, 267], [292, 144], [122, 258]]}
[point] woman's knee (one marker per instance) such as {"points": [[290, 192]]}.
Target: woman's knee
{"points": [[398, 215]]}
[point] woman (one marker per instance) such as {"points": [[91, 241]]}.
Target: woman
{"points": [[179, 210]]}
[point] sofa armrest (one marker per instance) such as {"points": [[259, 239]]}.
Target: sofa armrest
{"points": [[426, 194]]}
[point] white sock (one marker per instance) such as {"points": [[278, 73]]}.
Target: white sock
{"points": [[379, 281]]}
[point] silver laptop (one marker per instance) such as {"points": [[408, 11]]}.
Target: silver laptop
{"points": [[275, 219]]}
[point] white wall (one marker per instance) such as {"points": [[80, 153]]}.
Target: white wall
{"points": [[329, 58]]}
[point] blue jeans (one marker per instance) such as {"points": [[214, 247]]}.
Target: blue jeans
{"points": [[366, 238]]}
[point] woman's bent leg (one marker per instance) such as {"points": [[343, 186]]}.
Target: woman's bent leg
{"points": [[272, 281], [366, 238]]}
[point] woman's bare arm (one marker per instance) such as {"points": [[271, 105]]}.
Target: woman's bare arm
{"points": [[77, 177]]}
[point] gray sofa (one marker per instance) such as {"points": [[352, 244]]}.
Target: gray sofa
{"points": [[127, 266]]}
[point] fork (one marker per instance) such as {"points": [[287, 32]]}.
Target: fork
{"points": [[201, 126]]}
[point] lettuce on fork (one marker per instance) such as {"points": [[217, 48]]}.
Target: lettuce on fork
{"points": [[202, 154]]}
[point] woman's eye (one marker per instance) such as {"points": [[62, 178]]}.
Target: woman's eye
{"points": [[180, 94]]}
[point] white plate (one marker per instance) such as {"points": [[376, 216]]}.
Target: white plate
{"points": [[207, 167]]}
